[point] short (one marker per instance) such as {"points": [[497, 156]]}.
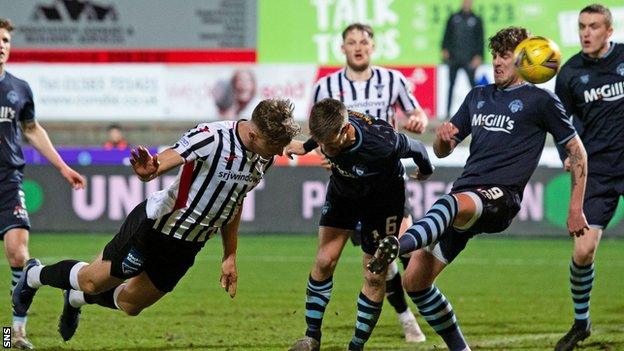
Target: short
{"points": [[13, 212], [602, 194], [500, 205], [379, 212], [138, 247]]}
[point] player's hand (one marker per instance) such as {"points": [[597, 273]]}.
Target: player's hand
{"points": [[229, 276], [144, 164], [294, 148], [417, 123], [566, 164], [74, 178], [577, 224], [446, 131], [419, 176]]}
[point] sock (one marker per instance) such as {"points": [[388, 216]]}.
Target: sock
{"points": [[60, 275], [427, 230], [16, 274], [581, 283], [105, 299], [367, 314], [77, 298], [394, 292], [318, 295], [438, 312]]}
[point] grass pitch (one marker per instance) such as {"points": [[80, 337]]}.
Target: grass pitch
{"points": [[508, 294]]}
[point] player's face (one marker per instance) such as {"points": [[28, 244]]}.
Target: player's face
{"points": [[358, 47], [263, 147], [594, 34], [5, 46], [505, 73]]}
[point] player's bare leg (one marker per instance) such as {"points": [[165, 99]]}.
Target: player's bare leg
{"points": [[581, 283], [16, 252], [320, 284]]}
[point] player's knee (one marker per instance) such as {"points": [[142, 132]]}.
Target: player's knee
{"points": [[17, 258], [415, 283], [584, 254], [90, 286], [326, 263]]}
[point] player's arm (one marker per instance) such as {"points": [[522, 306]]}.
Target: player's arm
{"points": [[577, 224], [449, 134], [229, 235], [417, 119], [38, 138], [562, 91], [445, 140], [414, 149], [148, 166], [296, 147]]}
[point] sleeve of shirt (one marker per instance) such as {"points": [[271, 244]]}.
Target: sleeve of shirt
{"points": [[405, 97], [196, 143], [27, 112], [461, 119], [320, 91], [557, 121], [565, 97], [410, 148]]}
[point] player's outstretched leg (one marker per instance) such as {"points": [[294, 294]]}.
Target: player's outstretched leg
{"points": [[68, 322], [387, 252], [23, 293]]}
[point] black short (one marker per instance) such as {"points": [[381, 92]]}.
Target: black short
{"points": [[380, 213], [138, 247], [13, 212], [602, 195], [500, 206]]}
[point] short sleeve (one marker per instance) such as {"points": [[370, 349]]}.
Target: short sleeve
{"points": [[461, 119], [557, 121], [196, 143], [320, 91], [405, 97], [27, 113]]}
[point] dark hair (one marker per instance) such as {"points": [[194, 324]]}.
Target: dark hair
{"points": [[274, 119], [507, 39], [601, 9], [6, 24], [327, 118], [113, 126], [358, 26]]}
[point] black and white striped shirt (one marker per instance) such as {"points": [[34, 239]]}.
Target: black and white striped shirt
{"points": [[376, 96], [211, 185]]}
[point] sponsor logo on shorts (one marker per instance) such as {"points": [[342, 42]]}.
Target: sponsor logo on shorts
{"points": [[133, 263]]}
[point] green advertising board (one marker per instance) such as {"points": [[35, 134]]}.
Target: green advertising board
{"points": [[407, 32]]}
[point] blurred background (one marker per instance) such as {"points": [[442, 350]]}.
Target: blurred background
{"points": [[110, 74]]}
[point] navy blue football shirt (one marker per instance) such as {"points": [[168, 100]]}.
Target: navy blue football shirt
{"points": [[16, 106], [508, 128], [374, 160], [592, 91]]}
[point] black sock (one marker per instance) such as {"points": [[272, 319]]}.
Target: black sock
{"points": [[57, 275], [106, 299], [395, 294]]}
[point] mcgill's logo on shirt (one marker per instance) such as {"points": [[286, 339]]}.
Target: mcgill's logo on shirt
{"points": [[493, 122], [607, 92]]}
